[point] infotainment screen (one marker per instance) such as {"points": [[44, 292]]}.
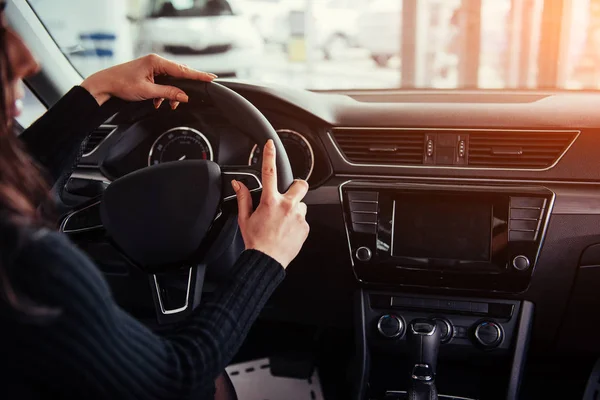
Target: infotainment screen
{"points": [[442, 227]]}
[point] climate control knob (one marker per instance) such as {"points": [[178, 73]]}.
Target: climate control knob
{"points": [[488, 334], [390, 326], [445, 327]]}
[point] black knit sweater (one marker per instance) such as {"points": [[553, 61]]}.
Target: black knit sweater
{"points": [[88, 347]]}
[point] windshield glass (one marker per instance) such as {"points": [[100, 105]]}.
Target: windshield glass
{"points": [[343, 44]]}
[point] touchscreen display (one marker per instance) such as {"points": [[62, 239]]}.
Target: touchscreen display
{"points": [[445, 227]]}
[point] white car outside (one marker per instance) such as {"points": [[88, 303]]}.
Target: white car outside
{"points": [[211, 35]]}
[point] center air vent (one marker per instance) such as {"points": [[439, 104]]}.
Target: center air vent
{"points": [[518, 149], [95, 138], [381, 146]]}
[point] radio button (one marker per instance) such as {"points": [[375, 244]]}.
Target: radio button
{"points": [[363, 207], [363, 196], [363, 254], [370, 228], [363, 218], [525, 213], [527, 202], [479, 308], [521, 263], [521, 236], [517, 224]]}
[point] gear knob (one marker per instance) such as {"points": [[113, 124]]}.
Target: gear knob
{"points": [[424, 340]]}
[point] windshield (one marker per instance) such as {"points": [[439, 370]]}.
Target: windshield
{"points": [[343, 44]]}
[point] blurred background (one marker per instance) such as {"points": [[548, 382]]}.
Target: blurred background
{"points": [[343, 44]]}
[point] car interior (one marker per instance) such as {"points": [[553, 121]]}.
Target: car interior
{"points": [[454, 249]]}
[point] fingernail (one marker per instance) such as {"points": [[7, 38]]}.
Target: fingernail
{"points": [[235, 185], [215, 76], [174, 105], [158, 102], [270, 144], [182, 98]]}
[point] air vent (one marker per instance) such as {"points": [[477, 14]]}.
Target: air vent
{"points": [[518, 149], [381, 146], [95, 138]]}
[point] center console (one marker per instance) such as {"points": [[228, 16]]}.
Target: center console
{"points": [[415, 247], [462, 237]]}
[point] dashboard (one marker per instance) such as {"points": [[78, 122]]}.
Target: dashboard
{"points": [[493, 194]]}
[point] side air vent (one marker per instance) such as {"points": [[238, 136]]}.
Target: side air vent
{"points": [[518, 149], [381, 146], [95, 138]]}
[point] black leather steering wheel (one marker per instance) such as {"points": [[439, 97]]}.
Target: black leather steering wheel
{"points": [[167, 218]]}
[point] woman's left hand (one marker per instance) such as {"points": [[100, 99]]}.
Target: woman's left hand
{"points": [[134, 81]]}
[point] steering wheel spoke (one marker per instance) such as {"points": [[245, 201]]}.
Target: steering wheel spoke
{"points": [[177, 293]]}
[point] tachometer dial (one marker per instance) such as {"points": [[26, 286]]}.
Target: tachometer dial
{"points": [[181, 143], [298, 150]]}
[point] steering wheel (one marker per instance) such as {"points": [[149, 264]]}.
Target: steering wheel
{"points": [[167, 219]]}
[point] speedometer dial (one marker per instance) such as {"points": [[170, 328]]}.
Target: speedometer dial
{"points": [[299, 152], [181, 143]]}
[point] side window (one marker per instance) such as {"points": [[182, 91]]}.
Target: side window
{"points": [[31, 110]]}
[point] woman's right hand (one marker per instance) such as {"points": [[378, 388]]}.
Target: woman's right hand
{"points": [[278, 227]]}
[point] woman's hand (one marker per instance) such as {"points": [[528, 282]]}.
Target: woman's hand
{"points": [[278, 227], [134, 81]]}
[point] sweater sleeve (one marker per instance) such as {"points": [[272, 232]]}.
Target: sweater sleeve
{"points": [[55, 139], [105, 353]]}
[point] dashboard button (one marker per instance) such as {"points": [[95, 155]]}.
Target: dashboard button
{"points": [[431, 303], [524, 213], [518, 224], [462, 306], [363, 254], [363, 196], [363, 207], [488, 334], [448, 305], [362, 218], [390, 326], [401, 302], [521, 236], [365, 228], [445, 329], [481, 308], [460, 332], [521, 263], [527, 202]]}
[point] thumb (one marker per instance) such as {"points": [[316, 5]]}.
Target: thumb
{"points": [[244, 200], [166, 92]]}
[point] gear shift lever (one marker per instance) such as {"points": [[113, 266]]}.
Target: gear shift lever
{"points": [[424, 341]]}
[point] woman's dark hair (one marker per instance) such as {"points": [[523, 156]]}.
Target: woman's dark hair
{"points": [[22, 187]]}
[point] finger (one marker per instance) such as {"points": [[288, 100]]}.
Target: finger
{"points": [[269, 169], [302, 209], [244, 200], [173, 104], [158, 102], [177, 70], [152, 90], [297, 191]]}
